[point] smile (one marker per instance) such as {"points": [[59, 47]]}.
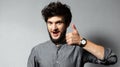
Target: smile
{"points": [[55, 34]]}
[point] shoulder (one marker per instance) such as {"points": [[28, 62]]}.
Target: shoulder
{"points": [[41, 45]]}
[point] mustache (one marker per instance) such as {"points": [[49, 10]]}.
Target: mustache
{"points": [[61, 39], [55, 30]]}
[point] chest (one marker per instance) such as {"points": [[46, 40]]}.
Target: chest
{"points": [[65, 56]]}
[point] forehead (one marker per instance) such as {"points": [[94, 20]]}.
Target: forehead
{"points": [[55, 19]]}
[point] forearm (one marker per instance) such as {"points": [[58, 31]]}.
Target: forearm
{"points": [[98, 54], [95, 49], [74, 38]]}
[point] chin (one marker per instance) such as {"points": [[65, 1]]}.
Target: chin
{"points": [[59, 38], [55, 37]]}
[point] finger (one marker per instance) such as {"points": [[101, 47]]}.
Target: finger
{"points": [[69, 41], [68, 35], [74, 28]]}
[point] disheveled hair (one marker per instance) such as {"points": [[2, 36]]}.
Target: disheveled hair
{"points": [[57, 9]]}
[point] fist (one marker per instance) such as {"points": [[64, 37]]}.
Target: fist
{"points": [[73, 38]]}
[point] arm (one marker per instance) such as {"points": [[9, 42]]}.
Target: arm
{"points": [[75, 38], [32, 60], [109, 57], [96, 50]]}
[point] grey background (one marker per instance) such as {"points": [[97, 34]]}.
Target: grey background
{"points": [[22, 27]]}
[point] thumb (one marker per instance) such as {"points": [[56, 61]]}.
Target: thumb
{"points": [[74, 28]]}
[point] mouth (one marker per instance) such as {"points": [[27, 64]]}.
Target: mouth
{"points": [[55, 33]]}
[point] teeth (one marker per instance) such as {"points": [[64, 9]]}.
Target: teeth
{"points": [[55, 32]]}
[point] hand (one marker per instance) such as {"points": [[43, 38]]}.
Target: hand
{"points": [[73, 37]]}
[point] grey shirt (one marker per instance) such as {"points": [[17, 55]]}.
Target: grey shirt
{"points": [[48, 55]]}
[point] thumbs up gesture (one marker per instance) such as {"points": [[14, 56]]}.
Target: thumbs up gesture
{"points": [[73, 37]]}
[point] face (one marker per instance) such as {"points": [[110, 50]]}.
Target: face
{"points": [[56, 28]]}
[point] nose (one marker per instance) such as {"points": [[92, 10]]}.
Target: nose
{"points": [[54, 27]]}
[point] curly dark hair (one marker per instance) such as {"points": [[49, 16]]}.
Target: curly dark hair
{"points": [[57, 9]]}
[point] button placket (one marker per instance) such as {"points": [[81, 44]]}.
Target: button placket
{"points": [[57, 58]]}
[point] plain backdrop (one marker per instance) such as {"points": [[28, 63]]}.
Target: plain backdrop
{"points": [[22, 27]]}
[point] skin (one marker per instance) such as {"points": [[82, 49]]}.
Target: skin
{"points": [[56, 27]]}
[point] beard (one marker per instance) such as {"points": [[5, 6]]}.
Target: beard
{"points": [[60, 40]]}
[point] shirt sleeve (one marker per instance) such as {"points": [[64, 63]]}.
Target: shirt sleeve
{"points": [[32, 60], [109, 57]]}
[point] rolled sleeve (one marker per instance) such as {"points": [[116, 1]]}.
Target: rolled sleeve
{"points": [[109, 57]]}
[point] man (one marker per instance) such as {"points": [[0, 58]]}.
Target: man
{"points": [[66, 50]]}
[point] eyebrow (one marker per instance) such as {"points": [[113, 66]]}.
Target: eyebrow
{"points": [[57, 21]]}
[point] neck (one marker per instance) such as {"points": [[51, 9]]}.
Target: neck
{"points": [[60, 42]]}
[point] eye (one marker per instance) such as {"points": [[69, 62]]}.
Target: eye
{"points": [[49, 23], [59, 22]]}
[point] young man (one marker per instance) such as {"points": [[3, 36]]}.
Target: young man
{"points": [[66, 50]]}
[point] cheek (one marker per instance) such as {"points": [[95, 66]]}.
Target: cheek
{"points": [[62, 29], [49, 28]]}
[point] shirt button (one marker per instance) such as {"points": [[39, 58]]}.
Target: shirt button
{"points": [[57, 62]]}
